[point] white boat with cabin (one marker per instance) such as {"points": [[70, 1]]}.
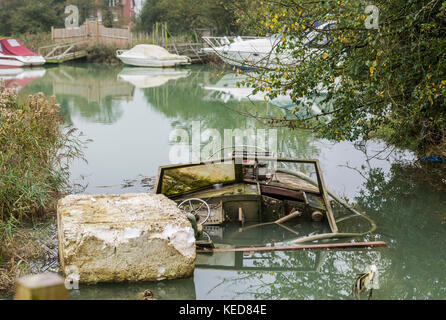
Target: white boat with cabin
{"points": [[148, 55], [261, 52]]}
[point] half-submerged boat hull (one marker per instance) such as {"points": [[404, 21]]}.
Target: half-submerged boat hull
{"points": [[257, 189]]}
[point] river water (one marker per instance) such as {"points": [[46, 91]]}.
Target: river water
{"points": [[131, 116]]}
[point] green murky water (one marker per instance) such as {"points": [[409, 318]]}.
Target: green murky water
{"points": [[130, 113]]}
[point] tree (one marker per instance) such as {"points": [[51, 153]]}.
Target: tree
{"points": [[33, 16], [23, 16], [151, 12], [390, 79], [86, 9], [107, 14], [183, 16]]}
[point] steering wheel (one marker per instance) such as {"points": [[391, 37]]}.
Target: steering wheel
{"points": [[193, 206]]}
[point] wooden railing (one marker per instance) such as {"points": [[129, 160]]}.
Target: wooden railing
{"points": [[93, 32]]}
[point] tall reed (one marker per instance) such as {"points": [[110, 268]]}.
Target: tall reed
{"points": [[36, 149]]}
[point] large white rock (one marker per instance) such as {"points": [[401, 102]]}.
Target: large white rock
{"points": [[127, 237]]}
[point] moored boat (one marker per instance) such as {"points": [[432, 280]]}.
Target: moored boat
{"points": [[261, 52], [14, 54], [147, 55]]}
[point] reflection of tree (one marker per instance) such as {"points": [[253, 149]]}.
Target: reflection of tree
{"points": [[89, 92], [409, 213], [317, 275], [104, 111], [409, 210], [183, 100]]}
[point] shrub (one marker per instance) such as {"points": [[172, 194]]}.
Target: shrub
{"points": [[35, 152], [101, 53]]}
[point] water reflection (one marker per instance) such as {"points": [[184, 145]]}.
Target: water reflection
{"points": [[19, 78], [287, 275], [226, 89], [411, 211], [178, 289], [151, 77], [130, 122]]}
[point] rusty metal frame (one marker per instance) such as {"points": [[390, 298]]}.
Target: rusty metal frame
{"points": [[321, 183]]}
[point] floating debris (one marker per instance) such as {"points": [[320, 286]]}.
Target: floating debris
{"points": [[141, 183], [148, 295], [363, 281]]}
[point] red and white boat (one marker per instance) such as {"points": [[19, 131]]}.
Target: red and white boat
{"points": [[14, 54]]}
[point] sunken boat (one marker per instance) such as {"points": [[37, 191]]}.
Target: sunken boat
{"points": [[247, 190]]}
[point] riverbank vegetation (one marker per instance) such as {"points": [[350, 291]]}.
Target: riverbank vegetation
{"points": [[35, 152], [184, 16], [101, 53], [387, 80], [30, 16]]}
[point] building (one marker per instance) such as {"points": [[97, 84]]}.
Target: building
{"points": [[122, 10]]}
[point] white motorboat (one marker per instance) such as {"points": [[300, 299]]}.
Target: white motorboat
{"points": [[14, 54], [148, 55], [260, 52]]}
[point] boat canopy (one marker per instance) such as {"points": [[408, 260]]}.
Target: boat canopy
{"points": [[13, 47], [153, 51]]}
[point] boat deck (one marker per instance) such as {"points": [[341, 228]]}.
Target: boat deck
{"points": [[288, 181]]}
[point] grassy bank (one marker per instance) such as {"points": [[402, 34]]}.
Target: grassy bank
{"points": [[35, 152], [35, 41], [105, 54]]}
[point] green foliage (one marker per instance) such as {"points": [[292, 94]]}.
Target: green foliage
{"points": [[86, 9], [101, 53], [393, 76], [34, 41], [183, 16], [30, 16], [107, 18], [151, 12], [107, 14], [34, 154]]}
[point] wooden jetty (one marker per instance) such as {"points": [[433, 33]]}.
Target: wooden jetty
{"points": [[59, 53], [192, 50]]}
